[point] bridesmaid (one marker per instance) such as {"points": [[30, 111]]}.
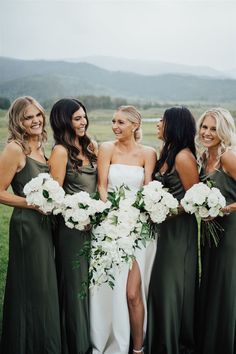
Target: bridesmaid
{"points": [[174, 275], [216, 142], [73, 165], [31, 311]]}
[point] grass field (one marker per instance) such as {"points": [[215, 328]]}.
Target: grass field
{"points": [[100, 130]]}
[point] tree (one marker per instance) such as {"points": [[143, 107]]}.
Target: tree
{"points": [[4, 103]]}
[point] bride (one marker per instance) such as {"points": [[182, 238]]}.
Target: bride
{"points": [[117, 313]]}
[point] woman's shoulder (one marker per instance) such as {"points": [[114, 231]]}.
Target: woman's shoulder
{"points": [[60, 150], [228, 155], [228, 162], [185, 159], [107, 145], [13, 155], [184, 154], [148, 150], [14, 148]]}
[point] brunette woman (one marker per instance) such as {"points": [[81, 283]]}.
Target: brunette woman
{"points": [[73, 165], [173, 283]]}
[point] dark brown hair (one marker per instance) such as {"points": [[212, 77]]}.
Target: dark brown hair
{"points": [[64, 134]]}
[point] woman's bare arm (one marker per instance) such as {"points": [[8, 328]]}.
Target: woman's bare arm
{"points": [[104, 160], [57, 163], [12, 160]]}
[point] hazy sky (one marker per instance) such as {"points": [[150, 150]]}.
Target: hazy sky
{"points": [[186, 32]]}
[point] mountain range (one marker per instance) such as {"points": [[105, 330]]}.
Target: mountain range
{"points": [[152, 67], [52, 79]]}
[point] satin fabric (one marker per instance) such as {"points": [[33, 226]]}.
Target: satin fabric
{"points": [[31, 321]]}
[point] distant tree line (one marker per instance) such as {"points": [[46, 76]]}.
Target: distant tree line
{"points": [[4, 103], [92, 102]]}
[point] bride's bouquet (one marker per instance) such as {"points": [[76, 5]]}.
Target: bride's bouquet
{"points": [[205, 202], [116, 237], [44, 192], [80, 210], [154, 199]]}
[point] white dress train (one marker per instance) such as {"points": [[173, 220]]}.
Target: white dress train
{"points": [[109, 314]]}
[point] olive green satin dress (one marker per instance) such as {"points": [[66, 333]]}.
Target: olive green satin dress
{"points": [[31, 311], [174, 283], [74, 311], [217, 313]]}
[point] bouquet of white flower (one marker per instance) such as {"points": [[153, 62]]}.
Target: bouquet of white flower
{"points": [[205, 201], [79, 210], [43, 191], [117, 236], [156, 201]]}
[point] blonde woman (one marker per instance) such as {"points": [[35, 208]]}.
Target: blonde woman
{"points": [[117, 313], [31, 311], [216, 147]]}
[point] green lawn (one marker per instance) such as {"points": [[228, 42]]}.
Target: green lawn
{"points": [[5, 213]]}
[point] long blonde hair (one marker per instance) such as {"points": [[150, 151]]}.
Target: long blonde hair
{"points": [[225, 129], [16, 115], [134, 116]]}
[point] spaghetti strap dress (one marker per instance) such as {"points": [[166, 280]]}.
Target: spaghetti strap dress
{"points": [[74, 310], [174, 281], [217, 312], [31, 322]]}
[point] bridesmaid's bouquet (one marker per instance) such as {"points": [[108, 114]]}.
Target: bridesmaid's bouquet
{"points": [[156, 201], [44, 192], [116, 237], [205, 202], [80, 210]]}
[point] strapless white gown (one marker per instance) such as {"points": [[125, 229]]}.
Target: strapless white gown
{"points": [[109, 315]]}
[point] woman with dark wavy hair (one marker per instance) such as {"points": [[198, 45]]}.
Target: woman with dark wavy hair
{"points": [[31, 310], [73, 165], [173, 284]]}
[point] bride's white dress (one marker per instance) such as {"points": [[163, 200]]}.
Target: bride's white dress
{"points": [[109, 315]]}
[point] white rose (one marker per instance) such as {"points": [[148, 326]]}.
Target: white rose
{"points": [[81, 216], [69, 224], [203, 212], [126, 243], [169, 200], [159, 213], [188, 206], [51, 186], [84, 198], [212, 199], [127, 203], [34, 184], [214, 211]]}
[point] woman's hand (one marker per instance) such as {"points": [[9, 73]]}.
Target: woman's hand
{"points": [[209, 218], [226, 210]]}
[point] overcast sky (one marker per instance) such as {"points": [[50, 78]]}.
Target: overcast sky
{"points": [[186, 32]]}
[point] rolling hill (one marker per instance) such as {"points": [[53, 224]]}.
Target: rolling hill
{"points": [[54, 79]]}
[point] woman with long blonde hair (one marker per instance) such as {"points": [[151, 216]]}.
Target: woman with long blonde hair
{"points": [[216, 149], [31, 311]]}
